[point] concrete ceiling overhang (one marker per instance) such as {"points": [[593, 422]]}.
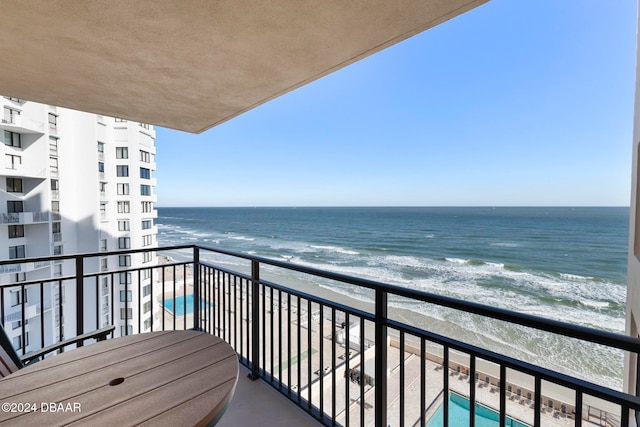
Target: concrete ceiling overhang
{"points": [[193, 64]]}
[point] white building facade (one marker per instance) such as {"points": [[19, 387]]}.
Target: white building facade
{"points": [[74, 182]]}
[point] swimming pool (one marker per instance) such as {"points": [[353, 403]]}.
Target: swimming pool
{"points": [[459, 415], [180, 302]]}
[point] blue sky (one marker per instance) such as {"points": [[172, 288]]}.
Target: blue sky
{"points": [[515, 103]]}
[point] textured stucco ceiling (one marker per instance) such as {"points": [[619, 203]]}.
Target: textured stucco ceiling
{"points": [[193, 64]]}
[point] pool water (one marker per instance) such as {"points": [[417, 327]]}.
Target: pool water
{"points": [[180, 302], [459, 415]]}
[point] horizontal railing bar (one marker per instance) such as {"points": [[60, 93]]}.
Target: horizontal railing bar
{"points": [[93, 254], [90, 275], [596, 390]]}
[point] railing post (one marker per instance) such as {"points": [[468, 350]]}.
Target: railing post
{"points": [[255, 320], [79, 297], [196, 288], [381, 359]]}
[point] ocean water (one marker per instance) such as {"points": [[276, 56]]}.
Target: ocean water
{"points": [[567, 264]]}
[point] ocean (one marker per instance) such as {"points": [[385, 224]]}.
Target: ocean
{"points": [[567, 264]]}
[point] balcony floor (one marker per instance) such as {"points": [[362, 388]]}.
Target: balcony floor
{"points": [[255, 403]]}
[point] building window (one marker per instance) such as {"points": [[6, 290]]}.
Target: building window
{"points": [[17, 341], [18, 323], [55, 184], [147, 207], [122, 170], [103, 187], [124, 260], [53, 163], [104, 262], [146, 240], [145, 190], [122, 296], [14, 185], [16, 231], [16, 252], [120, 120], [103, 244], [53, 121], [146, 274], [144, 156], [126, 331], [12, 161], [57, 250], [53, 146], [55, 206], [146, 257], [147, 224], [20, 277], [122, 153], [124, 243], [16, 298], [55, 227], [100, 147], [103, 210], [12, 139], [123, 225], [125, 278], [146, 307], [123, 207], [10, 115], [147, 323], [101, 167], [146, 290], [145, 173], [126, 313], [123, 189], [15, 206]]}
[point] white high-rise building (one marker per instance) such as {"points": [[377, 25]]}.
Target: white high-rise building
{"points": [[74, 182]]}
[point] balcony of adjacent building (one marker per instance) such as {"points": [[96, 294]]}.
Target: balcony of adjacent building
{"points": [[15, 121], [311, 359], [25, 218]]}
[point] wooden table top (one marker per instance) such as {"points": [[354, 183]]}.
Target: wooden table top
{"points": [[173, 378]]}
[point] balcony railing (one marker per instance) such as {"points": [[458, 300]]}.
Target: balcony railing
{"points": [[24, 217], [342, 364]]}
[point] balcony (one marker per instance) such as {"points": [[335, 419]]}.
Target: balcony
{"points": [[24, 218], [19, 123], [318, 360]]}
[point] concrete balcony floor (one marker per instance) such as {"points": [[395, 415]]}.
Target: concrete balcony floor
{"points": [[255, 403]]}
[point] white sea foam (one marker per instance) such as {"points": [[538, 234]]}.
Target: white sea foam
{"points": [[495, 264], [595, 304], [458, 260], [337, 249], [574, 277], [248, 239], [507, 244]]}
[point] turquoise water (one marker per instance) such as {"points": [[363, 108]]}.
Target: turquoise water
{"points": [[180, 304], [459, 415]]}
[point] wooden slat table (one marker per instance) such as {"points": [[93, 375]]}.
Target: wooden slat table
{"points": [[176, 378]]}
